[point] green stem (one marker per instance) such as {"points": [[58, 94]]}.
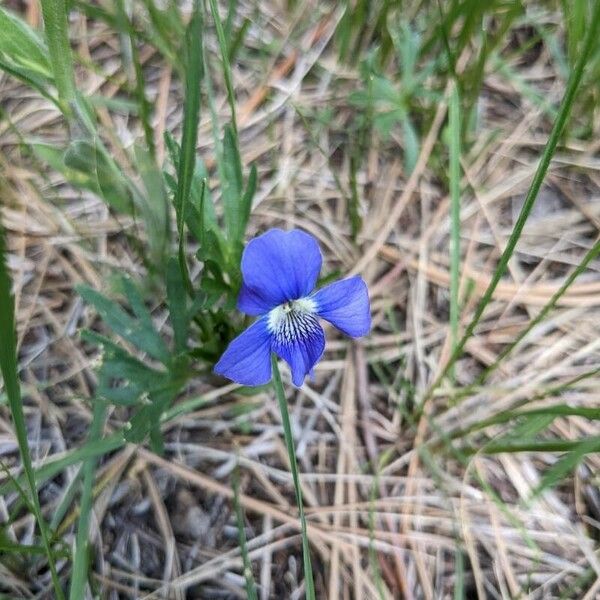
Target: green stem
{"points": [[289, 442]]}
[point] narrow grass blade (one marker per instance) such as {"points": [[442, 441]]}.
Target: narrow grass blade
{"points": [[81, 550], [536, 184], [593, 253], [224, 50], [558, 471], [238, 39], [66, 499], [8, 367], [454, 147], [533, 446], [54, 466], [289, 442], [144, 105], [459, 575], [59, 49], [100, 447], [14, 548], [239, 515], [560, 410], [191, 114]]}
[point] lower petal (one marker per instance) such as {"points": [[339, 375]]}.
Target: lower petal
{"points": [[247, 359], [301, 353], [345, 304]]}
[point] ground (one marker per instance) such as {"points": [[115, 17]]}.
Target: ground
{"points": [[413, 484]]}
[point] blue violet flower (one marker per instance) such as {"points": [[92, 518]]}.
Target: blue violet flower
{"points": [[280, 271]]}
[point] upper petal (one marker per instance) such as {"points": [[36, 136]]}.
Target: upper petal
{"points": [[252, 302], [247, 359], [345, 304], [301, 347], [277, 267]]}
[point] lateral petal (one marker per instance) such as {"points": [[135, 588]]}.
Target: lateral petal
{"points": [[345, 304], [247, 359]]}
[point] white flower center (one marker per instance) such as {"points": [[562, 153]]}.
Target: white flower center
{"points": [[293, 320]]}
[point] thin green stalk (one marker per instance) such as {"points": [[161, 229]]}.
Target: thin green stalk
{"points": [[581, 267], [9, 369], [289, 442], [81, 550], [454, 147], [536, 184], [57, 37]]}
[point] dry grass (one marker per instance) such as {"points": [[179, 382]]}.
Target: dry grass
{"points": [[163, 527]]}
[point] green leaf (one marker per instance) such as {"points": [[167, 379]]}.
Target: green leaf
{"points": [[147, 420], [122, 378], [31, 79], [177, 299], [136, 302], [247, 198], [153, 207], [22, 47], [411, 145], [86, 165], [59, 50], [139, 333], [191, 115], [232, 187]]}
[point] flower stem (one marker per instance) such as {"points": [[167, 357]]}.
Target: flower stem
{"points": [[289, 441]]}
